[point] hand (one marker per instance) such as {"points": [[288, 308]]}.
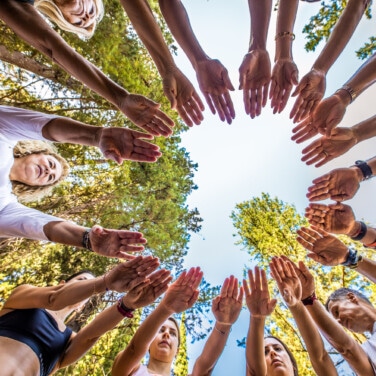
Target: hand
{"points": [[306, 279], [257, 294], [183, 97], [126, 275], [215, 84], [310, 91], [327, 115], [284, 76], [288, 282], [227, 306], [336, 218], [340, 184], [183, 293], [121, 144], [116, 243], [325, 149], [254, 81], [146, 292], [322, 246], [146, 114]]}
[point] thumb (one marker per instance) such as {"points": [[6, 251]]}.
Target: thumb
{"points": [[113, 155], [97, 230], [227, 81], [294, 78], [151, 103]]}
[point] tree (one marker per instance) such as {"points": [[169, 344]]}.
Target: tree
{"points": [[266, 227], [181, 360], [321, 25]]}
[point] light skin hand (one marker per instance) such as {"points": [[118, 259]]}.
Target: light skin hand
{"points": [[309, 92], [288, 282], [340, 184], [336, 218], [306, 279], [322, 246], [126, 275], [183, 293], [183, 97], [116, 243], [146, 292], [227, 306], [146, 114], [215, 84], [325, 149], [257, 294], [327, 115], [121, 144], [255, 78], [284, 77]]}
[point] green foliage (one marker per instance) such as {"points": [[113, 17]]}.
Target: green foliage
{"points": [[266, 228], [321, 25]]}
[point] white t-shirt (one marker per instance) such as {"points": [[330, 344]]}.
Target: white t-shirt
{"points": [[17, 220], [369, 347]]}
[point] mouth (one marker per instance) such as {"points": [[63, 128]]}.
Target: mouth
{"points": [[164, 343], [277, 361], [39, 171]]}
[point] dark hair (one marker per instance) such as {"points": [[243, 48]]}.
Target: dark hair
{"points": [[78, 273], [341, 294], [289, 353]]}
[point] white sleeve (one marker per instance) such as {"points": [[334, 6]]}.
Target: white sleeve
{"points": [[17, 220], [19, 124]]}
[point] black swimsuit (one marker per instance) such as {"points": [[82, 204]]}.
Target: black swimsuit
{"points": [[37, 329]]}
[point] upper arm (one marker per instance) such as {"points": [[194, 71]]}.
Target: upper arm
{"points": [[28, 296]]}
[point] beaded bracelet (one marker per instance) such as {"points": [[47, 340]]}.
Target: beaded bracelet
{"points": [[285, 34]]}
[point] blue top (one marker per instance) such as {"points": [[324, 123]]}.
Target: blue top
{"points": [[37, 329]]}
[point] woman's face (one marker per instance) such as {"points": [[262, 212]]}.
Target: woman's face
{"points": [[80, 13], [37, 170], [277, 359], [165, 344]]}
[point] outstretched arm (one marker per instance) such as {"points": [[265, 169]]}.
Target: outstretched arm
{"points": [[351, 351], [254, 72], [260, 305], [116, 143], [283, 271], [141, 295], [181, 295], [226, 309], [212, 76], [285, 71], [311, 88], [24, 19], [177, 88]]}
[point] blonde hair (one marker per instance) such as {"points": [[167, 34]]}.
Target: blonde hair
{"points": [[53, 12], [25, 192]]}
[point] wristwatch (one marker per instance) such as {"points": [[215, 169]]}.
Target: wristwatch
{"points": [[366, 170]]}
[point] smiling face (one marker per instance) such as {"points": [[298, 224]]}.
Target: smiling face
{"points": [[36, 170], [80, 13], [165, 344], [277, 359]]}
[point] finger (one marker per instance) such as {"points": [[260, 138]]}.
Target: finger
{"points": [[225, 287], [246, 288], [209, 101], [284, 99], [229, 106], [265, 94], [141, 135], [259, 102], [247, 101], [159, 126]]}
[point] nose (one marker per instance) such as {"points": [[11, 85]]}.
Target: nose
{"points": [[166, 335]]}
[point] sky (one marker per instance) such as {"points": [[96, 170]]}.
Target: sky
{"points": [[250, 156]]}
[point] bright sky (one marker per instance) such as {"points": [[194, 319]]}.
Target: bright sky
{"points": [[241, 160]]}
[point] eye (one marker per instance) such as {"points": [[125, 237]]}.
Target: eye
{"points": [[266, 351], [51, 177], [78, 24], [92, 10]]}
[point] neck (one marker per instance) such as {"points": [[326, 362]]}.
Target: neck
{"points": [[159, 367]]}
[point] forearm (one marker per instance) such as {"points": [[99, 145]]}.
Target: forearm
{"points": [[71, 131], [213, 348], [320, 359], [130, 358], [340, 35], [90, 334], [260, 12], [255, 353], [285, 24], [30, 26], [364, 77], [178, 22], [65, 232], [367, 268], [365, 129], [147, 28]]}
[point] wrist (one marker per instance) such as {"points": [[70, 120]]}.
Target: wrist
{"points": [[361, 231], [352, 259], [355, 229], [309, 299], [86, 243], [124, 310], [222, 328], [358, 173], [344, 95], [365, 169]]}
